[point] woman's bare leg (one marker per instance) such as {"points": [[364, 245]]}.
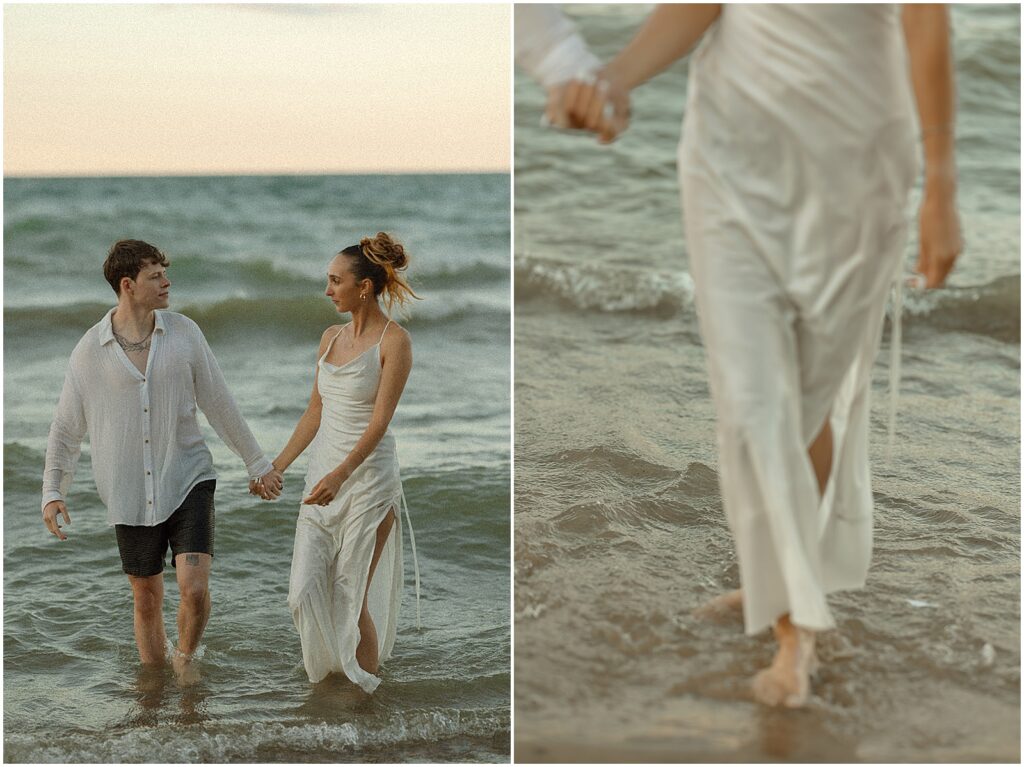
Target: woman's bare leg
{"points": [[722, 606], [820, 453], [787, 681], [367, 655]]}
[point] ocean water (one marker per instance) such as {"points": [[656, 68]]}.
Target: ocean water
{"points": [[248, 262], [619, 527]]}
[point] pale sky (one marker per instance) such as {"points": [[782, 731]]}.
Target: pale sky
{"points": [[256, 89]]}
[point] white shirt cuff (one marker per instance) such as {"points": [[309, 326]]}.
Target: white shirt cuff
{"points": [[50, 497], [260, 467]]}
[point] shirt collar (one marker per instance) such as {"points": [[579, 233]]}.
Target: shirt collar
{"points": [[107, 328]]}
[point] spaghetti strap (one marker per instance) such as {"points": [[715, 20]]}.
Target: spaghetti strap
{"points": [[335, 338], [385, 330]]}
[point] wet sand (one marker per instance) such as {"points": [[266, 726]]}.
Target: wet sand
{"points": [[678, 730]]}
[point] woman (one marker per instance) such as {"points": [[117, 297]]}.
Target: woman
{"points": [[347, 565], [796, 163]]}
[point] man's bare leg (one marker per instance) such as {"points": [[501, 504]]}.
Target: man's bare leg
{"points": [[820, 453], [148, 594], [193, 572], [367, 652]]}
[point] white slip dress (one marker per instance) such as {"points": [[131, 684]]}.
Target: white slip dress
{"points": [[796, 162], [334, 543]]}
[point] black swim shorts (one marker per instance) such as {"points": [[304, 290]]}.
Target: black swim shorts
{"points": [[188, 530]]}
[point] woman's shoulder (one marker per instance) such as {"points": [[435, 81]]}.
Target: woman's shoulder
{"points": [[396, 341], [329, 334], [332, 331], [396, 334]]}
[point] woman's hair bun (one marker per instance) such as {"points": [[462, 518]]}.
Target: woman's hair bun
{"points": [[380, 259], [382, 249]]}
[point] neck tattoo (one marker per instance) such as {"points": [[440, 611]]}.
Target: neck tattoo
{"points": [[133, 346]]}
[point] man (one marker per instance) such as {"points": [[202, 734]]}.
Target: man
{"points": [[133, 384]]}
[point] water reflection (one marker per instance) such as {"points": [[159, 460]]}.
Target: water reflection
{"points": [[804, 735], [193, 705], [153, 692], [336, 699]]}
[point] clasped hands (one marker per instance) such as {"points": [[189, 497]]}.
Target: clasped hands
{"points": [[597, 104], [326, 490], [269, 486]]}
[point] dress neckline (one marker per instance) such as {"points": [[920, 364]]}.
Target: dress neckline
{"points": [[335, 368]]}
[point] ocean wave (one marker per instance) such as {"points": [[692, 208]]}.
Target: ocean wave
{"points": [[604, 287], [29, 224], [291, 316], [644, 494], [254, 742], [278, 274], [992, 309], [608, 460], [263, 274]]}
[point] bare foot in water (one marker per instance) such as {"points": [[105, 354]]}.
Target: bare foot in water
{"points": [[787, 681], [723, 606], [186, 669]]}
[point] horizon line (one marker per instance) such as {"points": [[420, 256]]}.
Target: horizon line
{"points": [[247, 174]]}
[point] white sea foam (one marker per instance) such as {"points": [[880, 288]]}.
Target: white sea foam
{"points": [[246, 741]]}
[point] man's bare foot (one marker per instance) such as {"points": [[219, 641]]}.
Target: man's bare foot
{"points": [[722, 606], [186, 668], [787, 681]]}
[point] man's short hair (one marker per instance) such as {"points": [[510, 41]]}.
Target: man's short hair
{"points": [[126, 259]]}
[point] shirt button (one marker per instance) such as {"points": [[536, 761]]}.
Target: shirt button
{"points": [[147, 473], [145, 410], [147, 441], [150, 503]]}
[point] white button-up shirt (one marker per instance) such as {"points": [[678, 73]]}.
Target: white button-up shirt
{"points": [[147, 449]]}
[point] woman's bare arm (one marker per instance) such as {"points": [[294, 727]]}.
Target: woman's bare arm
{"points": [[927, 32], [396, 363], [670, 32], [309, 422]]}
